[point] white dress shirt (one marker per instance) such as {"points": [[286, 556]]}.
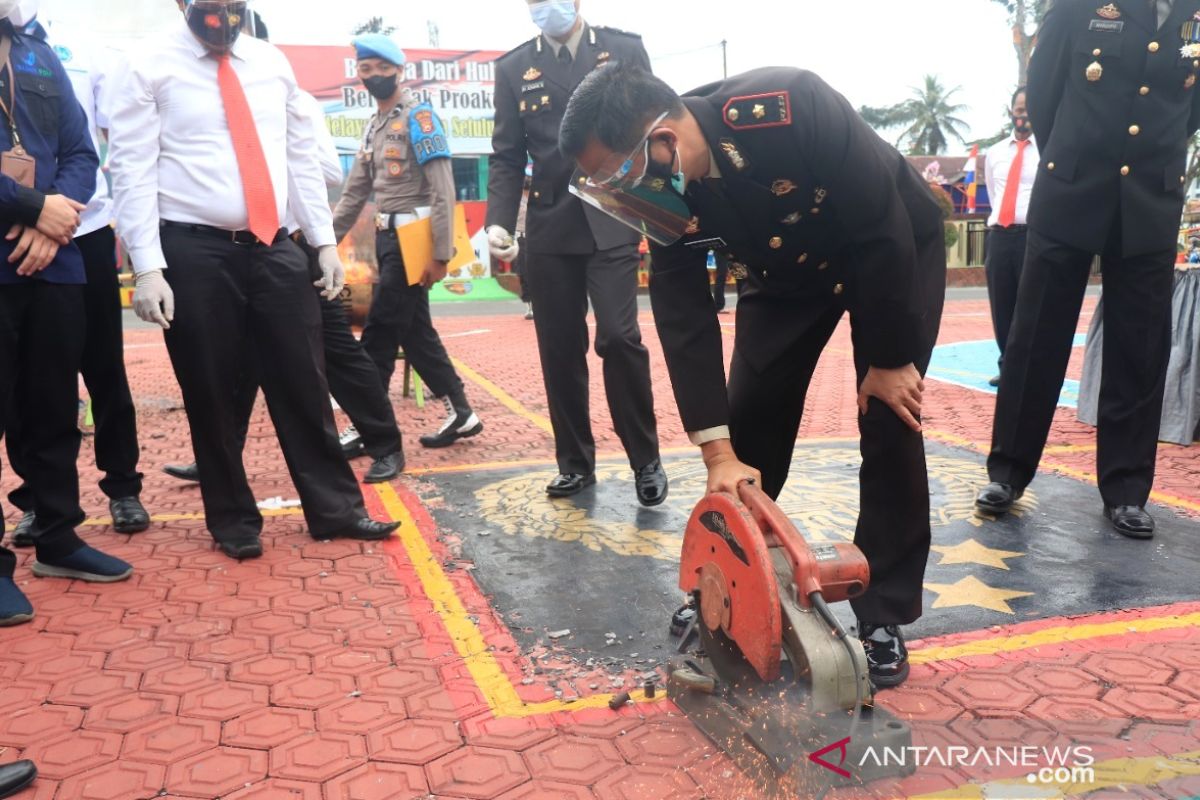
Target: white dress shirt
{"points": [[999, 162], [91, 69], [171, 155], [327, 152]]}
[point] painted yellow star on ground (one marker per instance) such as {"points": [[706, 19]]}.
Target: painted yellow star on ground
{"points": [[970, 591], [972, 552]]}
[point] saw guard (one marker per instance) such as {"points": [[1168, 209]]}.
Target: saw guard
{"points": [[723, 538]]}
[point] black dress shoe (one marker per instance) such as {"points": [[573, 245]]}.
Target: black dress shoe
{"points": [[352, 443], [570, 483], [184, 472], [1132, 521], [242, 548], [364, 529], [386, 468], [651, 483], [16, 776], [994, 382], [887, 657], [24, 533], [997, 498], [128, 515]]}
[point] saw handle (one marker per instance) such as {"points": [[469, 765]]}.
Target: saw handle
{"points": [[773, 522]]}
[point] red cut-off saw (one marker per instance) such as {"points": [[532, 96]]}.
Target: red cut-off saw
{"points": [[768, 671]]}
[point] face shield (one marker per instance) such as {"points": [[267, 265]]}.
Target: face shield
{"points": [[627, 190]]}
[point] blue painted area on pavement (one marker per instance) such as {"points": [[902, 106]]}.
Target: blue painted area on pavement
{"points": [[973, 364]]}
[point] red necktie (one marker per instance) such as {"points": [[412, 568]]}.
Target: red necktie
{"points": [[261, 210], [1008, 206]]}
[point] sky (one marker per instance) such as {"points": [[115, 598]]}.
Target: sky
{"points": [[873, 51]]}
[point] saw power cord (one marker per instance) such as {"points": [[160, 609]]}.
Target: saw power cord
{"points": [[818, 602]]}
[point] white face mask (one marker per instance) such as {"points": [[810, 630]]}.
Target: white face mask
{"points": [[7, 7], [27, 11]]}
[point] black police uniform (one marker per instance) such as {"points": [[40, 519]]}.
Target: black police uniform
{"points": [[573, 253], [820, 216], [1112, 100]]}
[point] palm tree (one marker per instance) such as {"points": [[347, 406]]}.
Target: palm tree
{"points": [[928, 118], [373, 25]]}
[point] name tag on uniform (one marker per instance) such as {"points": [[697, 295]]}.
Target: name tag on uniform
{"points": [[1106, 25], [706, 244]]}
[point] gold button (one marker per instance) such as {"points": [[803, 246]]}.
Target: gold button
{"points": [[1145, 90], [733, 115], [1196, 63], [814, 210], [776, 243], [803, 257], [1124, 170], [1096, 52], [764, 274], [1050, 166], [838, 289], [1134, 130], [823, 265], [1152, 47], [536, 195]]}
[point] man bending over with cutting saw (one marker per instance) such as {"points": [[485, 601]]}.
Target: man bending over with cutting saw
{"points": [[819, 216]]}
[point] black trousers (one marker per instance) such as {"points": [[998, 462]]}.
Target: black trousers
{"points": [[766, 407], [353, 381], [521, 269], [399, 319], [1005, 255], [561, 286], [227, 294], [721, 277], [1137, 342], [103, 370], [41, 345]]}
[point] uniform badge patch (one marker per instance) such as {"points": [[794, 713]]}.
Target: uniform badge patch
{"points": [[769, 110], [603, 58], [730, 148], [427, 134], [396, 126], [394, 169], [532, 74], [782, 186], [424, 120], [1109, 12]]}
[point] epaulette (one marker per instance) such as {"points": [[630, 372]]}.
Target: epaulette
{"points": [[617, 31], [519, 48], [426, 133], [769, 110]]}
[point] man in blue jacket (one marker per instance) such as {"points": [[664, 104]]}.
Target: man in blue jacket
{"points": [[48, 172]]}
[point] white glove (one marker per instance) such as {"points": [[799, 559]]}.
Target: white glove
{"points": [[502, 244], [333, 273], [153, 300]]}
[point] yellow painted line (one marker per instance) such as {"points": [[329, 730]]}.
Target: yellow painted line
{"points": [[1071, 448], [468, 642], [1051, 636], [505, 399], [1117, 773], [266, 512]]}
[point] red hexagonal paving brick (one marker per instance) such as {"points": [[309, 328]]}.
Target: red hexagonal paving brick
{"points": [[379, 634], [379, 781], [73, 753], [1187, 681], [127, 598], [128, 713], [401, 680], [224, 701], [548, 790], [235, 607], [342, 618], [312, 691], [147, 655], [476, 772], [267, 728], [33, 647], [301, 568], [672, 743], [452, 701], [94, 687], [573, 759], [306, 642], [1163, 739], [1123, 668], [270, 669], [303, 602], [88, 619], [1156, 704], [318, 756], [23, 727], [21, 696], [1061, 680], [268, 623], [982, 689], [171, 740], [193, 630], [1180, 655], [352, 660], [63, 665], [639, 783], [361, 714], [217, 772], [599, 723], [507, 733], [228, 649], [1078, 717], [413, 741], [270, 587], [181, 677], [278, 789], [123, 780]]}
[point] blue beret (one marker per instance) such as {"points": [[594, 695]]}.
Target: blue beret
{"points": [[376, 45]]}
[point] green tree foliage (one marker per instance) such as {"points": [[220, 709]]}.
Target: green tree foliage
{"points": [[374, 25], [928, 118], [1024, 17]]}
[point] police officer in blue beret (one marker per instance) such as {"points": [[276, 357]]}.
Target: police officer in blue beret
{"points": [[405, 163]]}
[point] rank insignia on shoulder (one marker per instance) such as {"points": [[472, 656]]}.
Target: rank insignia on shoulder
{"points": [[738, 271], [769, 110], [782, 186], [730, 148], [792, 219], [532, 74], [1109, 12]]}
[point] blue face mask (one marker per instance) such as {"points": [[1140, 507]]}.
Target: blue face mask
{"points": [[654, 169], [554, 17]]}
